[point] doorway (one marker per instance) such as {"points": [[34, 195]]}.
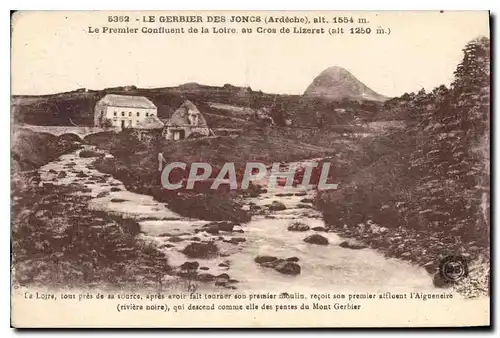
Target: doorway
{"points": [[179, 134]]}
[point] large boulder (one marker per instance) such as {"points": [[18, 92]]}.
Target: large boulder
{"points": [[212, 229], [288, 268], [200, 250], [297, 226], [190, 265], [353, 244], [226, 226], [276, 206], [316, 239]]}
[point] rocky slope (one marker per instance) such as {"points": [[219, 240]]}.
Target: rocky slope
{"points": [[336, 83]]}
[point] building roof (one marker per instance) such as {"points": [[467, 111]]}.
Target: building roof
{"points": [[127, 101], [150, 122], [181, 116]]}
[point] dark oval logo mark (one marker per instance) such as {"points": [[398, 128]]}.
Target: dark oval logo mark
{"points": [[453, 268]]}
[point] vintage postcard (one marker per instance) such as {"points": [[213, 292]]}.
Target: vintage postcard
{"points": [[194, 169]]}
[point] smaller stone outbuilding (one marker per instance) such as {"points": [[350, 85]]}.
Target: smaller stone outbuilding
{"points": [[149, 129], [187, 121]]}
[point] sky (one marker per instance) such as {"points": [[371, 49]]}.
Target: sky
{"points": [[54, 52]]}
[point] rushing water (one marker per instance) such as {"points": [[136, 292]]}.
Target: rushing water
{"points": [[330, 267]]}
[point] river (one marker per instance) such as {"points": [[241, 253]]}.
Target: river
{"points": [[329, 267]]}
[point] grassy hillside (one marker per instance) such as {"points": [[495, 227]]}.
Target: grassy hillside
{"points": [[429, 183], [228, 106]]}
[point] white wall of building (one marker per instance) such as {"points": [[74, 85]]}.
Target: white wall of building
{"points": [[130, 116]]}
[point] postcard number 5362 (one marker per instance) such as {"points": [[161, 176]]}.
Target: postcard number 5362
{"points": [[116, 18]]}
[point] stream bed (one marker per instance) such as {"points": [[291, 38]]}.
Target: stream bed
{"points": [[323, 267]]}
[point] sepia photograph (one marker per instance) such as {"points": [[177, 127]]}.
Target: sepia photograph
{"points": [[250, 169]]}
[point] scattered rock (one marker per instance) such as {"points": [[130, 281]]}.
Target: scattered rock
{"points": [[353, 244], [255, 207], [117, 200], [235, 240], [90, 153], [298, 226], [303, 206], [226, 226], [52, 171], [306, 200], [316, 239], [175, 239], [301, 194], [206, 277], [276, 206], [223, 265], [115, 189], [204, 268], [200, 250], [224, 276], [212, 229], [272, 264], [292, 259], [62, 174], [264, 259], [196, 239], [221, 282], [81, 174], [102, 194], [284, 194], [190, 265], [323, 229], [288, 268]]}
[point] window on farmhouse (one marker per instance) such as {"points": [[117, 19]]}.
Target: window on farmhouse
{"points": [[123, 113], [115, 114], [147, 114], [129, 113], [138, 114]]}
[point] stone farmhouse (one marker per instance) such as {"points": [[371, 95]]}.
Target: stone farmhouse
{"points": [[123, 111]]}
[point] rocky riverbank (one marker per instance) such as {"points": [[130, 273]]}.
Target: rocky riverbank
{"points": [[422, 248], [207, 205], [57, 241]]}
